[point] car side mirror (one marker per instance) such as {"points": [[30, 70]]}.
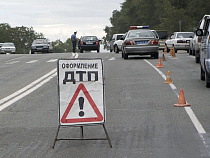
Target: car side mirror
{"points": [[199, 32]]}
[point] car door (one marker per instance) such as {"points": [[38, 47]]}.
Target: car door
{"points": [[170, 41], [204, 43]]}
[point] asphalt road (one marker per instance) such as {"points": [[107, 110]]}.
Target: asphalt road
{"points": [[141, 119]]}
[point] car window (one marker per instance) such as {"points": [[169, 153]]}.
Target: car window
{"points": [[140, 34], [93, 38], [206, 27], [162, 34], [40, 41], [185, 35], [119, 37], [8, 45]]}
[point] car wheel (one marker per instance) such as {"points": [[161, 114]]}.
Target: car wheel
{"points": [[202, 74], [193, 52], [97, 50], [32, 52], [116, 49], [207, 78], [190, 52], [197, 57], [122, 53], [125, 56], [81, 50], [156, 55], [110, 49]]}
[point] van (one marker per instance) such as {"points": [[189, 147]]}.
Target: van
{"points": [[115, 37], [204, 34]]}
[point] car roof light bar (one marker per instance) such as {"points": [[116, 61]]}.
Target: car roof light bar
{"points": [[139, 27]]}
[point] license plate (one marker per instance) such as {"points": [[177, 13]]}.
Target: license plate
{"points": [[89, 42], [141, 42]]}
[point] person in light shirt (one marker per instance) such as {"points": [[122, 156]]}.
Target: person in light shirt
{"points": [[74, 41]]}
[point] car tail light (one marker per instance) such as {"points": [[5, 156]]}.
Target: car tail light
{"points": [[97, 42], [154, 42], [81, 42], [129, 43]]}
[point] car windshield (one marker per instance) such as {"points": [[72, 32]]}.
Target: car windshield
{"points": [[40, 41], [162, 34], [185, 35], [138, 33], [91, 38], [8, 45]]}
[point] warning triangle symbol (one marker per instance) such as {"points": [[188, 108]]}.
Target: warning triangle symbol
{"points": [[99, 117]]}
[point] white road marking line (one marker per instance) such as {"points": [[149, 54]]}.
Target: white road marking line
{"points": [[32, 61], [195, 120], [27, 87], [172, 86], [189, 111], [112, 58], [76, 55], [12, 62], [191, 57], [13, 59], [2, 107], [52, 60]]}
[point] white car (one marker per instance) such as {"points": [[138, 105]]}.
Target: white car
{"points": [[8, 48], [118, 46], [180, 41], [115, 37]]}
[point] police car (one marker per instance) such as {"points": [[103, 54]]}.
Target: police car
{"points": [[140, 40]]}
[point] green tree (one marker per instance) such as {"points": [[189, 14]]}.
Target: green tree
{"points": [[22, 37]]}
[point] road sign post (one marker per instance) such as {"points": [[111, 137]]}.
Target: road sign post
{"points": [[81, 95]]}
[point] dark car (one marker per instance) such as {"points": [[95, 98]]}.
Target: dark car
{"points": [[163, 36], [89, 43], [41, 45]]}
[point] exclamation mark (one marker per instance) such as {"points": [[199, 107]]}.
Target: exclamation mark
{"points": [[81, 105]]}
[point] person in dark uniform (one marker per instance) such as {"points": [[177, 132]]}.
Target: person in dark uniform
{"points": [[74, 41]]}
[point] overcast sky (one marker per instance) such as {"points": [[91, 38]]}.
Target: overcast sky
{"points": [[58, 19]]}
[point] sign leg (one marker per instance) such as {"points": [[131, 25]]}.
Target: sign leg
{"points": [[82, 134], [107, 136], [56, 137]]}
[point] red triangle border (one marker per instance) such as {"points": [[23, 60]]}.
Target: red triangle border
{"points": [[92, 103]]}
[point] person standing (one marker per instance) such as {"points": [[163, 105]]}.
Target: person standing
{"points": [[74, 41]]}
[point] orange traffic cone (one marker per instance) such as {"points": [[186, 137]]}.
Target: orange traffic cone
{"points": [[159, 64], [165, 49], [168, 78], [163, 58], [173, 52], [181, 100]]}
